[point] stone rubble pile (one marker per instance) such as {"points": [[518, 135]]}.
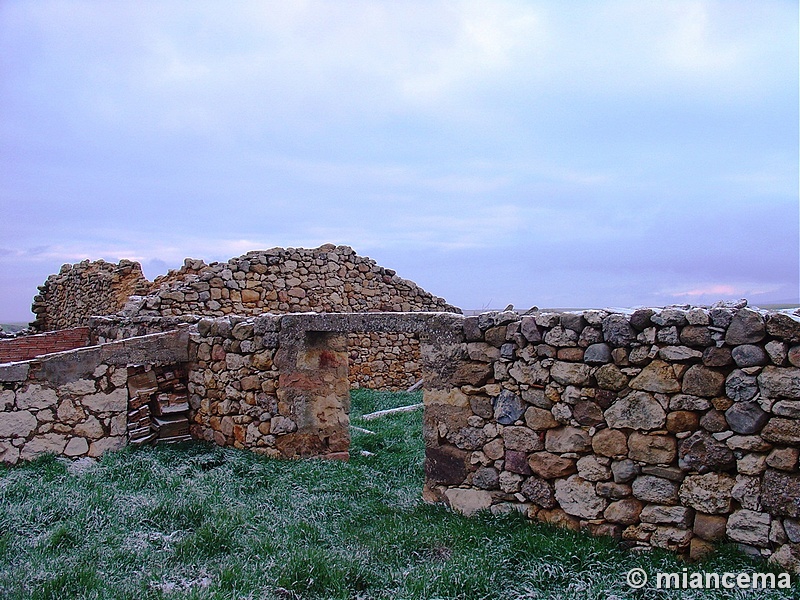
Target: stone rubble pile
{"points": [[672, 428]]}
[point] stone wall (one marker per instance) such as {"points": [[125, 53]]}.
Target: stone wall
{"points": [[30, 346], [671, 428], [76, 403], [80, 291], [325, 279]]}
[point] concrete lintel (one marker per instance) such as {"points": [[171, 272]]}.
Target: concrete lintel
{"points": [[401, 322], [16, 371]]}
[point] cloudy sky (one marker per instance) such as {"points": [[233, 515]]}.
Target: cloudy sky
{"points": [[589, 153]]}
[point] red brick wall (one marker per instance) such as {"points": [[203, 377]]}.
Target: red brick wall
{"points": [[30, 346]]}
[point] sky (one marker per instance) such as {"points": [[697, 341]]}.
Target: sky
{"points": [[558, 154]]}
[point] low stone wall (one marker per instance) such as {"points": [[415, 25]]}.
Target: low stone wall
{"points": [[670, 428], [30, 346], [377, 360], [75, 403]]}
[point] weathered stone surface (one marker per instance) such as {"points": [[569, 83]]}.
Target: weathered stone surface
{"points": [[550, 466], [472, 373], [680, 354], [746, 417], [747, 327], [445, 465], [652, 449], [617, 331], [780, 493], [780, 382], [610, 442], [19, 423], [752, 464], [530, 374], [587, 413], [521, 439], [658, 376], [714, 421], [782, 431], [749, 527], [640, 319], [717, 357], [624, 512], [702, 381], [539, 491], [567, 439], [76, 446], [751, 443], [784, 327], [748, 355], [36, 396], [49, 442], [590, 469], [671, 473], [787, 408], [468, 502], [609, 377], [486, 478], [90, 428], [638, 410], [682, 420], [624, 470], [672, 515], [577, 497], [482, 352], [530, 330], [709, 493], [508, 407], [570, 373], [747, 491], [740, 387], [670, 538], [784, 459], [696, 335], [777, 352], [540, 419], [701, 452], [655, 489], [115, 401], [710, 527], [597, 354], [612, 489], [686, 402], [560, 337], [517, 462]]}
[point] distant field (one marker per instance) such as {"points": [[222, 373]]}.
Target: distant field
{"points": [[12, 327]]}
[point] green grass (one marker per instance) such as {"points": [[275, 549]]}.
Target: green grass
{"points": [[198, 521]]}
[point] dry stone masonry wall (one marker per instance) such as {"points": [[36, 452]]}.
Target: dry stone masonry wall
{"points": [[671, 428], [75, 403], [78, 292], [325, 279]]}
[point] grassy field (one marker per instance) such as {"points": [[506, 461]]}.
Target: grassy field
{"points": [[198, 521]]}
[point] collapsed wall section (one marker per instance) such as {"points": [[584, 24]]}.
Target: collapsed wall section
{"points": [[68, 299], [280, 280], [672, 428]]}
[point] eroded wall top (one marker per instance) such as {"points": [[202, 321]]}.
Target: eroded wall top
{"points": [[77, 292], [280, 280]]}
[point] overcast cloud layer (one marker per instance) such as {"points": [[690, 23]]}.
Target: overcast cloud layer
{"points": [[558, 154]]}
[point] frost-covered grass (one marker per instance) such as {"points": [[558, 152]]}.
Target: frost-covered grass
{"points": [[198, 521]]}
